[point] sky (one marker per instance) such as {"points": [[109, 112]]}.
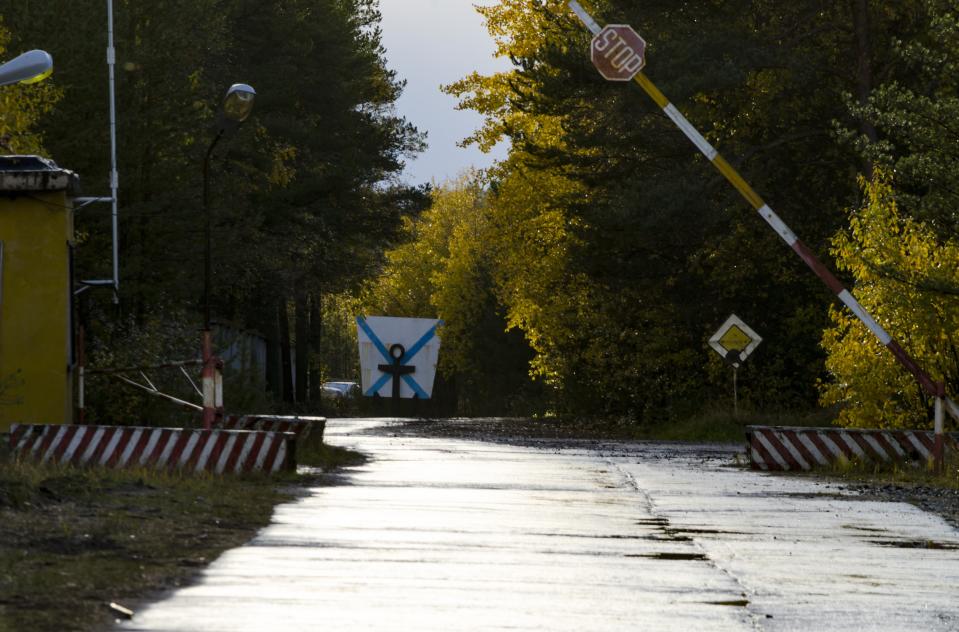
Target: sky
{"points": [[430, 43]]}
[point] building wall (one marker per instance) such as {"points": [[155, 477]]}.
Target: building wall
{"points": [[35, 320]]}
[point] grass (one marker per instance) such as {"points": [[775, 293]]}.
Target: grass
{"points": [[722, 426], [74, 540], [327, 457], [902, 474]]}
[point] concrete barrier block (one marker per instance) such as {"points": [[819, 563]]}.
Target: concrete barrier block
{"points": [[216, 451], [305, 428], [781, 448]]}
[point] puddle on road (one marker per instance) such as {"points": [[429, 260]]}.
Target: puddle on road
{"points": [[866, 529], [917, 544], [677, 557], [733, 603], [705, 532], [590, 536], [669, 537]]}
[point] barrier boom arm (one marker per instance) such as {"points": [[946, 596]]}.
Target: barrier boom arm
{"points": [[777, 224]]}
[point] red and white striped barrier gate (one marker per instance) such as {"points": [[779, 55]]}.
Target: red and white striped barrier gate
{"points": [[216, 451], [787, 448], [303, 427]]}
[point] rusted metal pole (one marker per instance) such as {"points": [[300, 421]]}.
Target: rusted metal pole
{"points": [[209, 381]]}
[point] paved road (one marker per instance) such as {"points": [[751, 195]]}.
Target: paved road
{"points": [[438, 534]]}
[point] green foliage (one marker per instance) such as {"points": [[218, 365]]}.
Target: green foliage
{"points": [[916, 121], [338, 351], [163, 337]]}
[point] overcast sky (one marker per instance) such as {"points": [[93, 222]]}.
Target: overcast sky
{"points": [[430, 43]]}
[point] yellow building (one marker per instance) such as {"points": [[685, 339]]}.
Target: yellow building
{"points": [[36, 323]]}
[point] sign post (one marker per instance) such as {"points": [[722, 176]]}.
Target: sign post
{"points": [[775, 222], [735, 341]]}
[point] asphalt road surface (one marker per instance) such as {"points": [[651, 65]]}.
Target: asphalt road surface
{"points": [[442, 534]]}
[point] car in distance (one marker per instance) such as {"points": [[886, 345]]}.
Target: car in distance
{"points": [[340, 389]]}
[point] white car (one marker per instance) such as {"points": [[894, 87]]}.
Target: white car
{"points": [[340, 390]]}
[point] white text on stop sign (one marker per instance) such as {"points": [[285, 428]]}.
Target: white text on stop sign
{"points": [[619, 53]]}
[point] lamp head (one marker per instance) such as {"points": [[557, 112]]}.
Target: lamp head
{"points": [[30, 67], [237, 104]]}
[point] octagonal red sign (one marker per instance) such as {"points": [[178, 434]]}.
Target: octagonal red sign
{"points": [[618, 52]]}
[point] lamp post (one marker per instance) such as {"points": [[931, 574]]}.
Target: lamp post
{"points": [[30, 67], [237, 105]]}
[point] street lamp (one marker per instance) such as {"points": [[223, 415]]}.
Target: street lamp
{"points": [[237, 105], [30, 67], [236, 108]]}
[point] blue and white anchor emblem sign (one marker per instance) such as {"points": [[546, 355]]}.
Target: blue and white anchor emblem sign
{"points": [[398, 356]]}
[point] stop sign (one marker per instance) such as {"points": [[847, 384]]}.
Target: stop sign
{"points": [[618, 52]]}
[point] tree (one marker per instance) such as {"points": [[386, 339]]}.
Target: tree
{"points": [[915, 118], [326, 227], [872, 388], [656, 250], [304, 200], [901, 245], [445, 269]]}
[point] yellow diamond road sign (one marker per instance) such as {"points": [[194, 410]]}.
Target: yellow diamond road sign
{"points": [[735, 340]]}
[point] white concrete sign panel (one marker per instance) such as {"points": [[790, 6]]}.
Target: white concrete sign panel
{"points": [[398, 356]]}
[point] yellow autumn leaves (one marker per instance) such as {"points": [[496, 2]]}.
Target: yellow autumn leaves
{"points": [[908, 278]]}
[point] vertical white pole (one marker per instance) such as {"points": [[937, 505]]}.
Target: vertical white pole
{"points": [[114, 176], [735, 392]]}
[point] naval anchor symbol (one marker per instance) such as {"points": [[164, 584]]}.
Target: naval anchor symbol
{"points": [[396, 368]]}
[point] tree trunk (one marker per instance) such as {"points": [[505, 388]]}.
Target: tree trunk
{"points": [[287, 361], [316, 340], [302, 327], [860, 12], [274, 360]]}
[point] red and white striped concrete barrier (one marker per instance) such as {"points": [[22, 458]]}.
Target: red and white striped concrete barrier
{"points": [[218, 451], [303, 427], [786, 448]]}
